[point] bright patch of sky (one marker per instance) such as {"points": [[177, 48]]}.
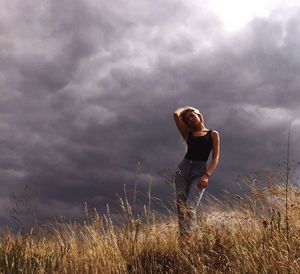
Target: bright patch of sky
{"points": [[235, 14]]}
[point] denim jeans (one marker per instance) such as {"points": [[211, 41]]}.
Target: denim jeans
{"points": [[188, 195]]}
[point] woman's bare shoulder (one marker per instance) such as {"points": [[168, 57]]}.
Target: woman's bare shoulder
{"points": [[214, 133]]}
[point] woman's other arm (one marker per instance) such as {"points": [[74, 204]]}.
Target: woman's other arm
{"points": [[216, 152], [203, 181]]}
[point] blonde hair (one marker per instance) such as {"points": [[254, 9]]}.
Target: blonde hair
{"points": [[195, 110]]}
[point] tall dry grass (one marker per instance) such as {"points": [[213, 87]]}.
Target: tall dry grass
{"points": [[237, 234]]}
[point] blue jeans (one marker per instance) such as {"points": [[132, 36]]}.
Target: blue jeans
{"points": [[188, 195]]}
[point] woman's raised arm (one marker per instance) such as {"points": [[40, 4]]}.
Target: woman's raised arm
{"points": [[181, 125]]}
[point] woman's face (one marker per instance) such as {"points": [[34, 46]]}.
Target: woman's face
{"points": [[192, 119]]}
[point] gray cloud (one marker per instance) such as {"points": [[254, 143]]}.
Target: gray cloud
{"points": [[88, 89]]}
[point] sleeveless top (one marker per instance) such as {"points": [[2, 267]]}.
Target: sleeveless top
{"points": [[199, 147]]}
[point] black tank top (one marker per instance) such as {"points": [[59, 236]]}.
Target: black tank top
{"points": [[199, 147]]}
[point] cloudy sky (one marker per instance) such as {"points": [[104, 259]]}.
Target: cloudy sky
{"points": [[88, 88]]}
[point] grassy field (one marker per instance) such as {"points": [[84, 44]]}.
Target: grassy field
{"points": [[248, 234]]}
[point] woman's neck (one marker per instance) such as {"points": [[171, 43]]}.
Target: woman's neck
{"points": [[200, 128]]}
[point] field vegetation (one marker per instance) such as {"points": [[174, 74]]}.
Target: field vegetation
{"points": [[258, 232]]}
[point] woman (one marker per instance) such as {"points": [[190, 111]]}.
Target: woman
{"points": [[192, 175]]}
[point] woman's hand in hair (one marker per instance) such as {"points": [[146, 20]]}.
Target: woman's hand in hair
{"points": [[181, 110]]}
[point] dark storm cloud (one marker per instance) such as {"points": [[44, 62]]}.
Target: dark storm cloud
{"points": [[88, 90]]}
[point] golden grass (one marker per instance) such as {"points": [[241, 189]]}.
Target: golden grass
{"points": [[239, 235]]}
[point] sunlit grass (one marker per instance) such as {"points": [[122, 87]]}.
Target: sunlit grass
{"points": [[234, 235]]}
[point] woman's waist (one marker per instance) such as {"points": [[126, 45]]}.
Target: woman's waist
{"points": [[197, 156], [191, 161], [191, 167]]}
